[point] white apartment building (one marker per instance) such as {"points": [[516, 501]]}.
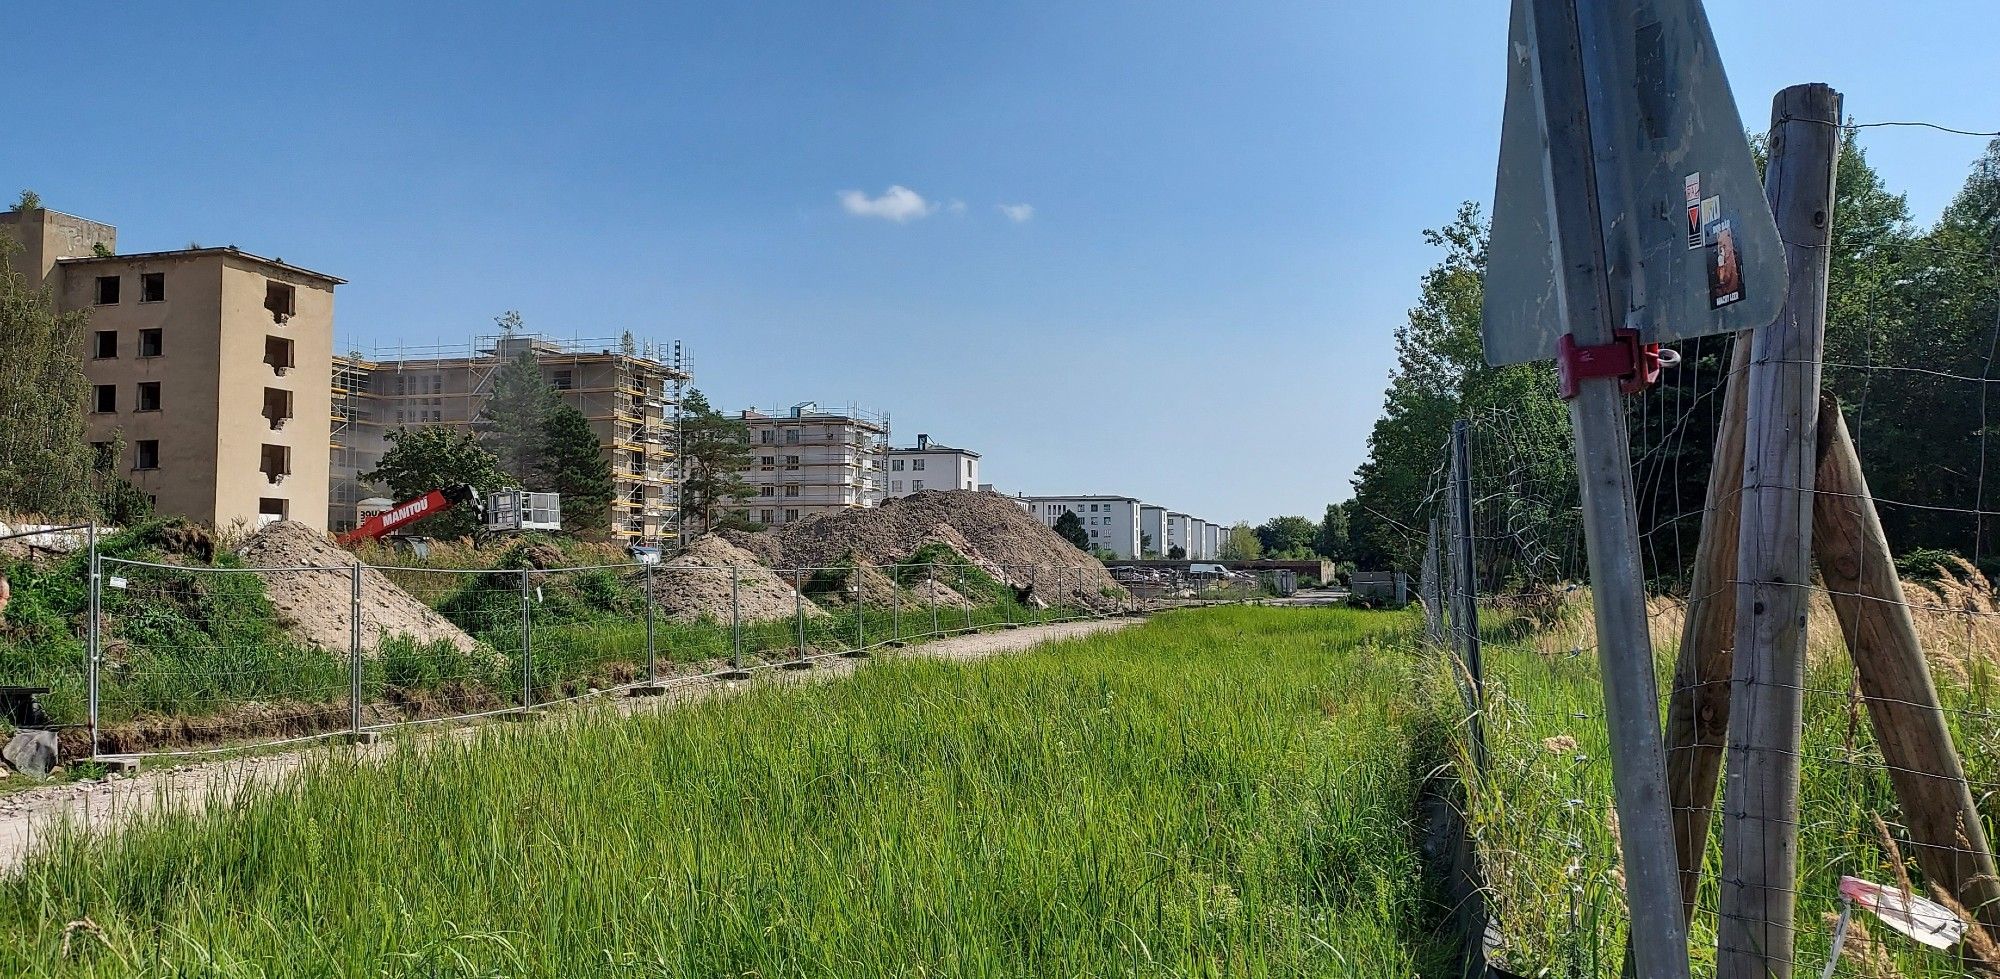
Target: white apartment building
{"points": [[1198, 539], [1177, 535], [1216, 533], [1153, 530], [807, 460], [1111, 521], [930, 465]]}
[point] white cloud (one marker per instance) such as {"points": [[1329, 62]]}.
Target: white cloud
{"points": [[1017, 213], [898, 204], [956, 206]]}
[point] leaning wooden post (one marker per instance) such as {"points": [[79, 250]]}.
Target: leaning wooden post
{"points": [[1754, 933], [1698, 705], [1860, 574]]}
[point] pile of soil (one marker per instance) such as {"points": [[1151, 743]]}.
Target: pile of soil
{"points": [[987, 529], [313, 604], [696, 585]]}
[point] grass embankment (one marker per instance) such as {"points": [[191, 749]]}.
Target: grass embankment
{"points": [[1219, 791], [1549, 842]]}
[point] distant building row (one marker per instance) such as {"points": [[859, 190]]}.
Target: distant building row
{"points": [[1130, 528]]}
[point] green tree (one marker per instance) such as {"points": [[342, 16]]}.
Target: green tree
{"points": [[1069, 527], [513, 424], [46, 462], [119, 501], [28, 201], [1176, 553], [1330, 539], [573, 464], [715, 450], [423, 459], [1287, 537], [1146, 545], [1241, 544]]}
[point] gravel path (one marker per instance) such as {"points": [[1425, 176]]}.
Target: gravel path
{"points": [[104, 806]]}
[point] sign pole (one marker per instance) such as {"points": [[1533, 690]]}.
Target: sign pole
{"points": [[1604, 477]]}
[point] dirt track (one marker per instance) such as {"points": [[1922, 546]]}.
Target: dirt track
{"points": [[105, 806]]}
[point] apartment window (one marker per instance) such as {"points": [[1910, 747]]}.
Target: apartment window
{"points": [[277, 407], [152, 287], [895, 465], [281, 300], [767, 491], [637, 460], [276, 463], [104, 398], [147, 455], [791, 491], [278, 353], [104, 344], [895, 486], [1093, 533], [1093, 508], [151, 343], [791, 436], [149, 396], [916, 484], [791, 516], [791, 462], [917, 465], [564, 380], [637, 497], [767, 461], [271, 508], [107, 290], [764, 516], [767, 436]]}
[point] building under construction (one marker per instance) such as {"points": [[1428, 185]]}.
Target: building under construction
{"points": [[809, 459], [631, 394]]}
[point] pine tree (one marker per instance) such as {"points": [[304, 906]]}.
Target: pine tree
{"points": [[1069, 527], [716, 451], [514, 422], [572, 463]]}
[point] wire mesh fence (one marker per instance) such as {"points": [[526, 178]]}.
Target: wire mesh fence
{"points": [[188, 657], [1898, 755]]}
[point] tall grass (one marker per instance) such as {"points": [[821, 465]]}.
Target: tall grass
{"points": [[1543, 818], [1217, 792]]}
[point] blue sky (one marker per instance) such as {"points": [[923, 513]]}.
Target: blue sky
{"points": [[1226, 198]]}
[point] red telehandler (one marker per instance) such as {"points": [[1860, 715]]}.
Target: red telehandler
{"points": [[430, 504]]}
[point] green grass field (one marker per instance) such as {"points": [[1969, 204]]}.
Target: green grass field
{"points": [[1223, 791]]}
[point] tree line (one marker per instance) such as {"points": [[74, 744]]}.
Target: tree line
{"points": [[1913, 327]]}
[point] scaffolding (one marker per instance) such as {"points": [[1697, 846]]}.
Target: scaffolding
{"points": [[630, 392]]}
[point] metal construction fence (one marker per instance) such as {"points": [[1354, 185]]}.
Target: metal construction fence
{"points": [[194, 658]]}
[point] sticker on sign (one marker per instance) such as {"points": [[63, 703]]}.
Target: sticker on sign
{"points": [[1688, 241]]}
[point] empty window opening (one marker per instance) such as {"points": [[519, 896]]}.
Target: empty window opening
{"points": [[278, 353], [564, 380], [104, 398], [147, 454], [152, 287], [105, 346], [150, 343], [149, 396], [276, 463], [271, 509], [281, 300], [107, 290], [277, 407]]}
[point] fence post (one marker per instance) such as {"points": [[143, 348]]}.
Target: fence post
{"points": [[354, 650], [895, 612], [93, 642], [860, 611], [736, 621], [968, 598], [1466, 615], [930, 577], [1758, 901], [799, 611], [652, 660], [527, 647]]}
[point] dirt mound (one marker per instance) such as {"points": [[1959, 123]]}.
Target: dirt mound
{"points": [[762, 546], [313, 604], [987, 529], [696, 585]]}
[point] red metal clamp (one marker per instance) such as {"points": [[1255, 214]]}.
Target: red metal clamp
{"points": [[1636, 365]]}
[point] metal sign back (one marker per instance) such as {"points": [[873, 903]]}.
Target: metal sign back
{"points": [[1689, 242]]}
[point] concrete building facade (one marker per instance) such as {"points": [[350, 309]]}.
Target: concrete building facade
{"points": [[1177, 535], [1113, 522], [1213, 544], [1152, 530], [209, 364], [930, 465], [629, 393], [806, 460], [1198, 538]]}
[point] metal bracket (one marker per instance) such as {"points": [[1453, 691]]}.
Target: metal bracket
{"points": [[1636, 365]]}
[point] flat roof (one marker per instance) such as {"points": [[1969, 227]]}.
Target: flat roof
{"points": [[934, 447], [1084, 496], [225, 250]]}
